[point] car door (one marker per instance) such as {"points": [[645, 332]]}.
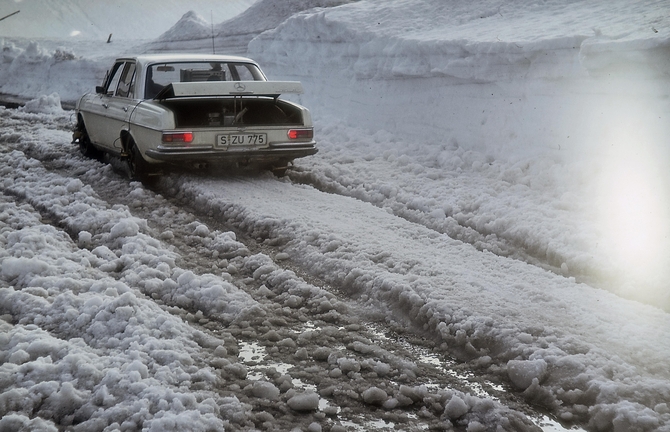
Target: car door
{"points": [[109, 112]]}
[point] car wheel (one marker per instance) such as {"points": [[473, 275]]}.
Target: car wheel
{"points": [[138, 168], [85, 146]]}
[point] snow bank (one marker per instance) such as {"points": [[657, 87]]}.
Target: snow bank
{"points": [[95, 350], [118, 244], [483, 40], [34, 71], [499, 78], [30, 69], [465, 95]]}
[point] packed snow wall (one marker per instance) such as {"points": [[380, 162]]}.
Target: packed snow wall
{"points": [[473, 80]]}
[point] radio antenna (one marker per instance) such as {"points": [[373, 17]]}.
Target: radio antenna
{"points": [[211, 19]]}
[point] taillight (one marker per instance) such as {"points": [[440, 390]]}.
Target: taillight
{"points": [[177, 137], [300, 133]]}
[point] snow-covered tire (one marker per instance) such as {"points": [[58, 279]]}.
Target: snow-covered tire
{"points": [[138, 168], [85, 146]]}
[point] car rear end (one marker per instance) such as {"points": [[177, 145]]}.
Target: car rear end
{"points": [[241, 123]]}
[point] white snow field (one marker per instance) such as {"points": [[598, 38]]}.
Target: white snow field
{"points": [[491, 191]]}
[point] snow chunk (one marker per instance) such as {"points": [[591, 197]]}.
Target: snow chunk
{"points": [[15, 267], [456, 408], [374, 396], [523, 372], [17, 422], [348, 365], [105, 253], [125, 228], [201, 230], [307, 401], [19, 357], [138, 367], [314, 427], [84, 238], [265, 390], [74, 185]]}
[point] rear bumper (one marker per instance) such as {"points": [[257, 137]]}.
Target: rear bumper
{"points": [[265, 155]]}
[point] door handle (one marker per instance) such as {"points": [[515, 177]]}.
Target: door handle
{"points": [[125, 109], [105, 106]]}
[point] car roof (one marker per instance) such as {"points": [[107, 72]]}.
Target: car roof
{"points": [[169, 58]]}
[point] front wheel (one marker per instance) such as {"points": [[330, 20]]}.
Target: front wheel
{"points": [[85, 146]]}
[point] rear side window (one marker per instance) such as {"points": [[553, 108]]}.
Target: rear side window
{"points": [[114, 78], [242, 72], [121, 80], [126, 87]]}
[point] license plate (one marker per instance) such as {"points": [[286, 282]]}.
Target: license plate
{"points": [[246, 139]]}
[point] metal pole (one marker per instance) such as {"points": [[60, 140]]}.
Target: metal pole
{"points": [[11, 14]]}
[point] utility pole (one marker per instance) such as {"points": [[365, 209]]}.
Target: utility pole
{"points": [[11, 14]]}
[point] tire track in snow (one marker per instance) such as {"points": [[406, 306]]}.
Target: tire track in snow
{"points": [[458, 228], [346, 243]]}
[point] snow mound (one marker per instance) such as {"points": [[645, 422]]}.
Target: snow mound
{"points": [[523, 373], [45, 104], [190, 26], [268, 14], [34, 71], [231, 36]]}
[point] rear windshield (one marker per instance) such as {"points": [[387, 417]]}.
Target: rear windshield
{"points": [[160, 75]]}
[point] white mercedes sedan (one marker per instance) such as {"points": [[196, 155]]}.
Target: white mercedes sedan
{"points": [[157, 111]]}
